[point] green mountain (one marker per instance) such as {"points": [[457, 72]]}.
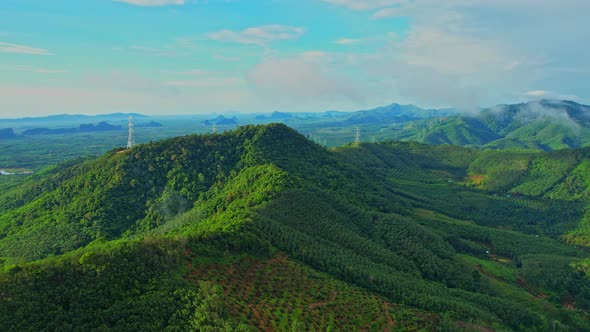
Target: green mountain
{"points": [[546, 125], [385, 114], [262, 229], [393, 113]]}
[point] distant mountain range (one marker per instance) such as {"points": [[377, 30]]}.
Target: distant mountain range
{"points": [[68, 120], [221, 120], [275, 116], [545, 125], [85, 128], [384, 114], [46, 125], [102, 126], [395, 113], [79, 117]]}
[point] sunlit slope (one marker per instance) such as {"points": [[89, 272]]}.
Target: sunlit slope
{"points": [[261, 228]]}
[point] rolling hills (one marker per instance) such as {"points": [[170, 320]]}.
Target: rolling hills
{"points": [[262, 229], [545, 125]]}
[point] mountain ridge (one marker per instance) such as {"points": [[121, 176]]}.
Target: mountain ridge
{"points": [[391, 220], [545, 125]]}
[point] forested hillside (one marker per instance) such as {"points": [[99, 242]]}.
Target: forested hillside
{"points": [[544, 125], [262, 229]]}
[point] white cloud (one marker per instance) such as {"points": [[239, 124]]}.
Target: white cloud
{"points": [[155, 51], [347, 41], [22, 49], [261, 35], [388, 12], [545, 94], [177, 47], [226, 58], [465, 52], [302, 82], [152, 3], [538, 93], [365, 4], [437, 68], [49, 71], [208, 82], [31, 69], [314, 56], [449, 53]]}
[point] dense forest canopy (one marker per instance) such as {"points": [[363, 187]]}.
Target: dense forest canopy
{"points": [[261, 228]]}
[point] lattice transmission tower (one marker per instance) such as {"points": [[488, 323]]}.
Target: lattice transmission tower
{"points": [[357, 137], [130, 140]]}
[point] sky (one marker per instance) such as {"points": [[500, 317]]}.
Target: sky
{"points": [[204, 56]]}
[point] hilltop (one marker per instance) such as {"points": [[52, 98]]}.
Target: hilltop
{"points": [[543, 125], [260, 228]]}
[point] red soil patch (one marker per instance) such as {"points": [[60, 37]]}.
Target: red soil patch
{"points": [[390, 321]]}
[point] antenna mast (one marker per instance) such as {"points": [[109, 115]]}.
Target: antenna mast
{"points": [[357, 138], [130, 140], [215, 128]]}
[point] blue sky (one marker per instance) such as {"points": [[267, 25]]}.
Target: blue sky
{"points": [[203, 56]]}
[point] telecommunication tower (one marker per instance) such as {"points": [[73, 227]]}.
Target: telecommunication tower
{"points": [[357, 138], [130, 140], [215, 128]]}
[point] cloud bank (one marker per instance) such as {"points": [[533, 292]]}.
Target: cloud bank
{"points": [[466, 53], [22, 49], [261, 35]]}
